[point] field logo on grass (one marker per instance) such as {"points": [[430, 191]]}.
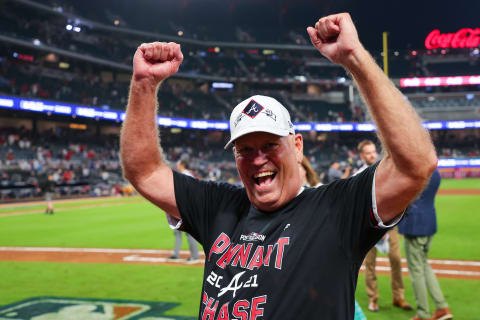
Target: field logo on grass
{"points": [[52, 308]]}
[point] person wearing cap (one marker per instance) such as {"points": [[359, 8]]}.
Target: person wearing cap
{"points": [[273, 249]]}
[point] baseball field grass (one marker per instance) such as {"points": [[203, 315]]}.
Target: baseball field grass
{"points": [[134, 223], [182, 284], [472, 183]]}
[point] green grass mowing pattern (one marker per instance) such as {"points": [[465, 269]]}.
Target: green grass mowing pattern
{"points": [[458, 221], [457, 234], [133, 225], [70, 204], [461, 295], [179, 284], [182, 284], [470, 183], [142, 225]]}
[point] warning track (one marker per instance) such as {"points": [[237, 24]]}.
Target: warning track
{"points": [[442, 268]]}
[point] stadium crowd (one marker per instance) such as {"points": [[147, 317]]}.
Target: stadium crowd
{"points": [[83, 163]]}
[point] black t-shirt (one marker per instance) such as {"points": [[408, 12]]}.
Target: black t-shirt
{"points": [[299, 262]]}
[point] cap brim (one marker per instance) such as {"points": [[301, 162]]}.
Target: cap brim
{"points": [[241, 133]]}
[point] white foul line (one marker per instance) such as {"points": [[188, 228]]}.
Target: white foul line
{"points": [[437, 271], [446, 262]]}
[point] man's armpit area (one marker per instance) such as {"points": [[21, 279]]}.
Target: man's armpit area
{"points": [[174, 223], [375, 219]]}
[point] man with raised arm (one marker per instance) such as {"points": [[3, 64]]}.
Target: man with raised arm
{"points": [[273, 249]]}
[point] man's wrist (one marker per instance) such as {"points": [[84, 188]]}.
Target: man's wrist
{"points": [[145, 84], [357, 60]]}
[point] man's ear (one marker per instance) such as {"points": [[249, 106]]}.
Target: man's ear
{"points": [[299, 147]]}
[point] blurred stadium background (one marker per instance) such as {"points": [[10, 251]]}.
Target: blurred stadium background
{"points": [[65, 70]]}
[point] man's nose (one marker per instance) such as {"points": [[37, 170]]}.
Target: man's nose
{"points": [[259, 158]]}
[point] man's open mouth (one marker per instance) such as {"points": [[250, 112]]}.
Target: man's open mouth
{"points": [[264, 177]]}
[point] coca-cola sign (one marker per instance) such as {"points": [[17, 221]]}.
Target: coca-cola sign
{"points": [[463, 38]]}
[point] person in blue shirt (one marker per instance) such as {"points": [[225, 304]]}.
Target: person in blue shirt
{"points": [[418, 227]]}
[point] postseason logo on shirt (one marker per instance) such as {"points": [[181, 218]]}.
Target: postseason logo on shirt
{"points": [[252, 236]]}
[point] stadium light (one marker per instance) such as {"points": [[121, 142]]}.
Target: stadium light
{"points": [[300, 78], [222, 85]]}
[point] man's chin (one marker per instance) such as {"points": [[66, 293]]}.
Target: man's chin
{"points": [[266, 202]]}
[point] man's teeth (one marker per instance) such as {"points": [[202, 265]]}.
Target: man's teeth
{"points": [[263, 174]]}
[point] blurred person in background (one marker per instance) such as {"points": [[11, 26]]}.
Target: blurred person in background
{"points": [[419, 227], [334, 172], [183, 167], [368, 153], [47, 185], [308, 176]]}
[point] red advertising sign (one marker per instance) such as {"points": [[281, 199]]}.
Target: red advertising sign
{"points": [[440, 81], [463, 38]]}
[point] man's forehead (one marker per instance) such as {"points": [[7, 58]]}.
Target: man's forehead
{"points": [[369, 147], [257, 137]]}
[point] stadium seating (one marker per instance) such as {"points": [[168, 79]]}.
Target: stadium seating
{"points": [[53, 53], [85, 164]]}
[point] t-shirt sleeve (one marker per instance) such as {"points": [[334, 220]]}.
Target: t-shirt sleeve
{"points": [[353, 213], [200, 202]]}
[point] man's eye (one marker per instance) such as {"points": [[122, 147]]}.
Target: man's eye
{"points": [[245, 151], [270, 146]]}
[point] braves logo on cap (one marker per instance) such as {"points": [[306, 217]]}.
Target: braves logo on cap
{"points": [[252, 109]]}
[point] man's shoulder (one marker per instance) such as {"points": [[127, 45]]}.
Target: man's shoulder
{"points": [[361, 169], [183, 181]]}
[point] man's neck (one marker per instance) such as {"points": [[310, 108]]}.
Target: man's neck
{"points": [[300, 190]]}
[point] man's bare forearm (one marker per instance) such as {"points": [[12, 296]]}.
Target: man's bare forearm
{"points": [[139, 143], [405, 140]]}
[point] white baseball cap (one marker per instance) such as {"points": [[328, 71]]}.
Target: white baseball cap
{"points": [[259, 114]]}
